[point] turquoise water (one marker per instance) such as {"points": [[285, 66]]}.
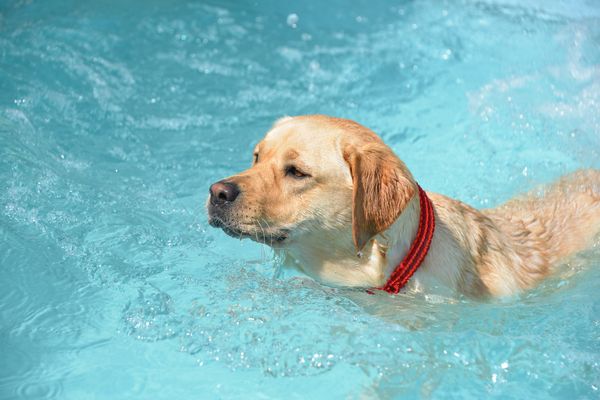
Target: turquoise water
{"points": [[116, 116]]}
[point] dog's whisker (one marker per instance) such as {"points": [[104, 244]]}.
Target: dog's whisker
{"points": [[271, 233], [262, 249]]}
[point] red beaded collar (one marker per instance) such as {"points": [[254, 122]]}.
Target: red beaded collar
{"points": [[418, 249]]}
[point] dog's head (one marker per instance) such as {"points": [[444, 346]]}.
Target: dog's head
{"points": [[314, 179]]}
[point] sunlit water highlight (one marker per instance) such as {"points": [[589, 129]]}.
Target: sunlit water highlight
{"points": [[116, 116]]}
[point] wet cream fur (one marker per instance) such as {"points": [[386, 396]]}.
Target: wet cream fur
{"points": [[353, 219]]}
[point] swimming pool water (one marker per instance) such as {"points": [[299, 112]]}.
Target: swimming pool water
{"points": [[116, 116]]}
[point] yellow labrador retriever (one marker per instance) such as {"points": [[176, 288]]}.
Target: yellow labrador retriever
{"points": [[336, 202]]}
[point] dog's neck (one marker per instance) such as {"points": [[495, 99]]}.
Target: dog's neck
{"points": [[398, 238], [338, 264]]}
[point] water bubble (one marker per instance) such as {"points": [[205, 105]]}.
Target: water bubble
{"points": [[446, 54], [292, 20]]}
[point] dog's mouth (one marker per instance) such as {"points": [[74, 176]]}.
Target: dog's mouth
{"points": [[260, 235]]}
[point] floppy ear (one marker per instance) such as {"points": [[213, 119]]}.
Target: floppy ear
{"points": [[382, 187]]}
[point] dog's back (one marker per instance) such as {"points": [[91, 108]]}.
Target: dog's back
{"points": [[551, 223]]}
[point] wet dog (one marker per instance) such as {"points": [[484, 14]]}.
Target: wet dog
{"points": [[336, 203]]}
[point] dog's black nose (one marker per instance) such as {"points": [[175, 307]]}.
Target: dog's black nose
{"points": [[223, 192]]}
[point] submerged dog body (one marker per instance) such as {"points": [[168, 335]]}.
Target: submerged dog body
{"points": [[338, 204]]}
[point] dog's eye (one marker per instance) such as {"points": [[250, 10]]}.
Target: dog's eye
{"points": [[295, 172], [255, 158]]}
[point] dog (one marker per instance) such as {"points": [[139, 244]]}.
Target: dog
{"points": [[336, 203]]}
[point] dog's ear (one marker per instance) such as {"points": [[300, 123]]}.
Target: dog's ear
{"points": [[382, 188]]}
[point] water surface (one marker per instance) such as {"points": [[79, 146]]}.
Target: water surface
{"points": [[116, 116]]}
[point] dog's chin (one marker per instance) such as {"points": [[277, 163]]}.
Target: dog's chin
{"points": [[273, 239]]}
